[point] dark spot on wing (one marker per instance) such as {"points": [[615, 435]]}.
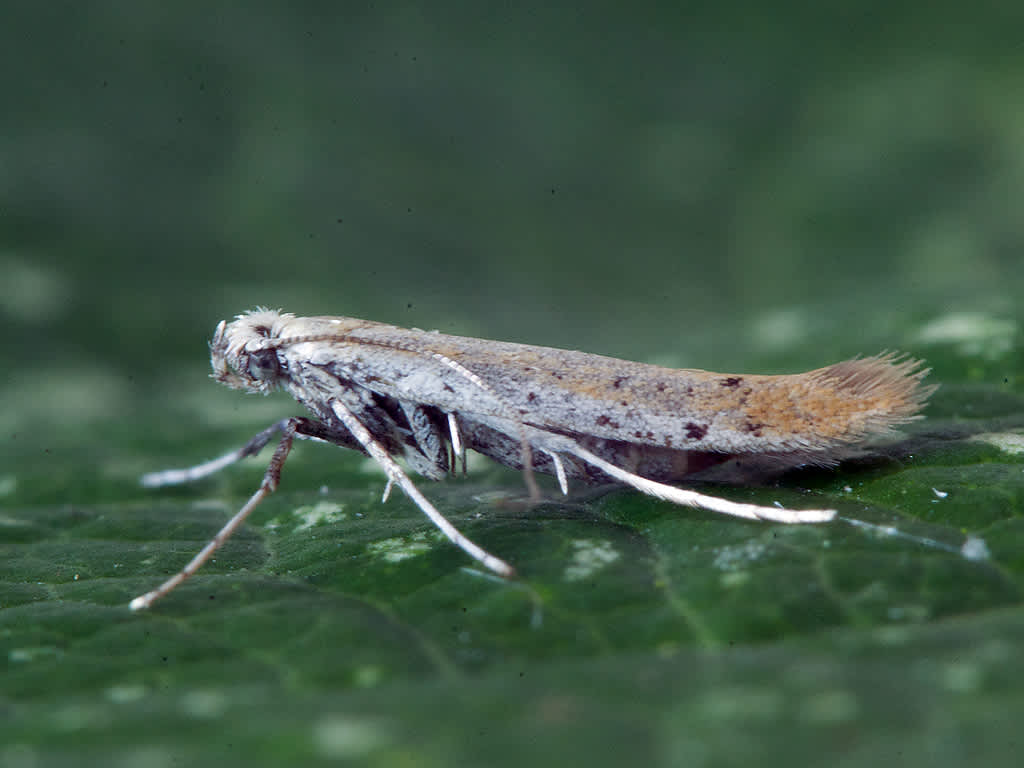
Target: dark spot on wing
{"points": [[696, 431], [732, 381]]}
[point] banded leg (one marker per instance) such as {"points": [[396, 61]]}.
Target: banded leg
{"points": [[289, 429], [301, 427]]}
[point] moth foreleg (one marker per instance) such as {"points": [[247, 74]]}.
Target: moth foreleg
{"points": [[289, 428], [398, 477], [301, 427]]}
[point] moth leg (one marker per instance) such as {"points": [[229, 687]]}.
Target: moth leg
{"points": [[379, 454], [526, 454], [312, 431], [289, 430], [525, 449], [455, 439], [694, 499], [563, 482]]}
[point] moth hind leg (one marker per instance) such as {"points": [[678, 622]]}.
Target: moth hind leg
{"points": [[685, 496]]}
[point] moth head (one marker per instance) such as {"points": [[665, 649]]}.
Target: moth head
{"points": [[246, 353]]}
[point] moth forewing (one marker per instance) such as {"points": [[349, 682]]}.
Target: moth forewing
{"points": [[599, 396], [428, 397]]}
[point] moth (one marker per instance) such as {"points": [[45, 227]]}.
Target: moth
{"points": [[426, 397]]}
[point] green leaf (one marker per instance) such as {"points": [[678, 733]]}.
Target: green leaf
{"points": [[336, 626], [760, 188]]}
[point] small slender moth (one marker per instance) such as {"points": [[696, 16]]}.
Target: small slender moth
{"points": [[428, 397]]}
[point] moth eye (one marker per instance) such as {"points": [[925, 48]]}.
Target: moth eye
{"points": [[264, 365]]}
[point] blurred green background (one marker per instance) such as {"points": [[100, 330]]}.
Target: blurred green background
{"points": [[737, 186]]}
